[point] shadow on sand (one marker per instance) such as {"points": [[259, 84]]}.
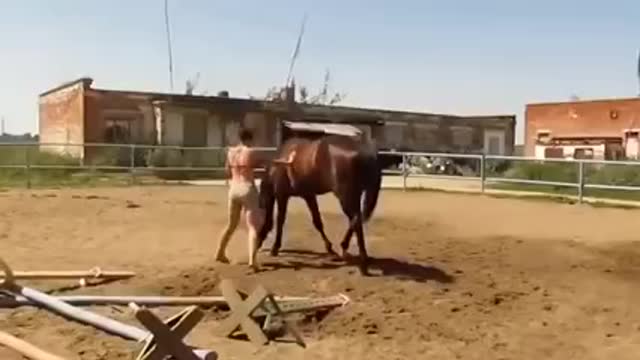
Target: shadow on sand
{"points": [[397, 268], [90, 284]]}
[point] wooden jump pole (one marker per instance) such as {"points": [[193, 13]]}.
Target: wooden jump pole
{"points": [[26, 349], [95, 273], [98, 321]]}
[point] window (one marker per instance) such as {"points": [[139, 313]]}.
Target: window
{"points": [[118, 131], [425, 134], [583, 153], [394, 134], [494, 142], [553, 153], [631, 134], [194, 130], [461, 136], [494, 145], [544, 136]]}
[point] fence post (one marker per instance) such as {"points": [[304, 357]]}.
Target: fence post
{"points": [[580, 181], [483, 174], [132, 163], [405, 171], [27, 168]]}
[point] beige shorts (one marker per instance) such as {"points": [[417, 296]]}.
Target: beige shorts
{"points": [[245, 193]]}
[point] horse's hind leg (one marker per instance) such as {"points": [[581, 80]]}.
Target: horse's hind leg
{"points": [[283, 203], [364, 257], [312, 204], [353, 212], [350, 211]]}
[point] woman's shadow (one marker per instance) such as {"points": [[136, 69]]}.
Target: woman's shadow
{"points": [[400, 269]]}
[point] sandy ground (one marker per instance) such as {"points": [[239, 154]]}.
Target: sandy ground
{"points": [[457, 276]]}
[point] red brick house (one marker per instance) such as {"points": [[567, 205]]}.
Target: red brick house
{"points": [[600, 129]]}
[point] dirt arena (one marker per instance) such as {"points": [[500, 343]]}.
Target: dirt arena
{"points": [[457, 276]]}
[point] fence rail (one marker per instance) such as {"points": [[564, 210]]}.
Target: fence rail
{"points": [[483, 170]]}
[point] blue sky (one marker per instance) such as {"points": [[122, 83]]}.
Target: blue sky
{"points": [[461, 57]]}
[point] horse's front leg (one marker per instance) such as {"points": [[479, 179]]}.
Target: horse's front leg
{"points": [[283, 203], [312, 204]]}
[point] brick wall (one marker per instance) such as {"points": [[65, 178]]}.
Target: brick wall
{"points": [[581, 119], [61, 117], [104, 105]]}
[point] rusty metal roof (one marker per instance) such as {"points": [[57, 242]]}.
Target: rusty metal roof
{"points": [[337, 129]]}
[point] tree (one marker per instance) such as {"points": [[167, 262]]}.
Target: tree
{"points": [[323, 97]]}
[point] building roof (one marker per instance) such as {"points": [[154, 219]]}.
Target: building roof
{"points": [[586, 101], [86, 80]]}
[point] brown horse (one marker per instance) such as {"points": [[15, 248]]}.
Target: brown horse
{"points": [[344, 166]]}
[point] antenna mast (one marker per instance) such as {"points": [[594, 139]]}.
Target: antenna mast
{"points": [[296, 51], [166, 23], [638, 74]]}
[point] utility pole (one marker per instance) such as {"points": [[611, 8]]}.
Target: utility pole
{"points": [[3, 126]]}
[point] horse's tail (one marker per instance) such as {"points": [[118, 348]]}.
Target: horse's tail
{"points": [[372, 174]]}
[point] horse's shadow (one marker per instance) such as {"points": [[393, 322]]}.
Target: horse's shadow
{"points": [[380, 266]]}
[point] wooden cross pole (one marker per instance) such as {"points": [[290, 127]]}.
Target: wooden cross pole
{"points": [[243, 313], [167, 336]]}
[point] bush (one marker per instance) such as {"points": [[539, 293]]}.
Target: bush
{"points": [[625, 175], [609, 174], [560, 172], [21, 155]]}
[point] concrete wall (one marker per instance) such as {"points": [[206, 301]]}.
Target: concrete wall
{"points": [[581, 119], [215, 131], [62, 119], [264, 127]]}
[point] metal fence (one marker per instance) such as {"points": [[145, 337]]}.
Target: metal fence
{"points": [[30, 163]]}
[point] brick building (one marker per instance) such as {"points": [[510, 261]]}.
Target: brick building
{"points": [[76, 112], [600, 129]]}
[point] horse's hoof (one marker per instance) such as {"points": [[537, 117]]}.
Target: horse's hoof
{"points": [[274, 253], [365, 272], [223, 260]]}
